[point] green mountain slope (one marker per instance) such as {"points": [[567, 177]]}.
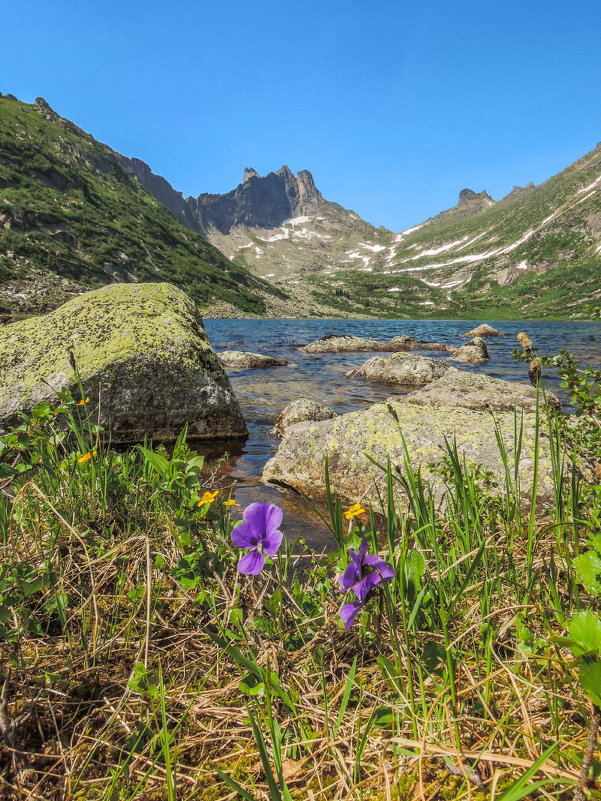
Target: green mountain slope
{"points": [[536, 253], [71, 218]]}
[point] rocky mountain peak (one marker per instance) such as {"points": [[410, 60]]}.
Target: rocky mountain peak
{"points": [[250, 172], [469, 196]]}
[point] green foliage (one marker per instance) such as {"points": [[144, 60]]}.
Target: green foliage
{"points": [[75, 212]]}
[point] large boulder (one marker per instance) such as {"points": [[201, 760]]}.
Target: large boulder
{"points": [[141, 347], [301, 411], [473, 352], [477, 391], [405, 369], [483, 330], [350, 442], [242, 360]]}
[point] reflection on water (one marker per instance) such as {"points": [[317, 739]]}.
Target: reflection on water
{"points": [[264, 393]]}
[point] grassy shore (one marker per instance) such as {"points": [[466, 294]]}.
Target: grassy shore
{"points": [[137, 662]]}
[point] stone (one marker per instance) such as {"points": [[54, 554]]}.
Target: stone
{"points": [[473, 352], [340, 343], [441, 347], [351, 440], [141, 347], [242, 360], [483, 330], [406, 369], [476, 391], [301, 411]]}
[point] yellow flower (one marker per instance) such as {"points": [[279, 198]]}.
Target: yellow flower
{"points": [[85, 458], [83, 402], [231, 502], [355, 510], [208, 497]]}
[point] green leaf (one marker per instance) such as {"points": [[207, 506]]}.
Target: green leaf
{"points": [[589, 676], [233, 785], [384, 716], [6, 471], [159, 463], [585, 629], [250, 685], [346, 695], [588, 567]]}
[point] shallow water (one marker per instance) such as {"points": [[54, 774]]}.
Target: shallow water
{"points": [[264, 393]]}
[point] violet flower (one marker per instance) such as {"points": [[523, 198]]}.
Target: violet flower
{"points": [[259, 532], [362, 575]]}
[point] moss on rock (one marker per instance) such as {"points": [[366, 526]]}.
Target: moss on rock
{"points": [[140, 348]]}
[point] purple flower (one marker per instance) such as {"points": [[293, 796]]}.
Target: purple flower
{"points": [[363, 574], [259, 532]]}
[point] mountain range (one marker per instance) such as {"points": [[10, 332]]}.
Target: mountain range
{"points": [[76, 212]]}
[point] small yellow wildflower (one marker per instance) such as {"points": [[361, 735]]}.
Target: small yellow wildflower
{"points": [[355, 510], [208, 497], [86, 457], [83, 402], [231, 502]]}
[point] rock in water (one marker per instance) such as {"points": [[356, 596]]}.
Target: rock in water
{"points": [[476, 391], [301, 411], [243, 360], [384, 429], [483, 330], [473, 352], [142, 345], [406, 369], [341, 343]]}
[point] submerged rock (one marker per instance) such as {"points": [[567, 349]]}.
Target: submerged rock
{"points": [[476, 391], [407, 369], [142, 347], [473, 352], [301, 411], [483, 330], [242, 360], [435, 346], [384, 430]]}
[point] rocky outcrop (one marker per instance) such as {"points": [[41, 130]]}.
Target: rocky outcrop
{"points": [[473, 352], [337, 343], [352, 440], [405, 369], [259, 201], [242, 360], [141, 348], [475, 391], [302, 411], [483, 330]]}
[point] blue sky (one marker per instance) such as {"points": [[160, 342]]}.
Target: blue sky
{"points": [[393, 106]]}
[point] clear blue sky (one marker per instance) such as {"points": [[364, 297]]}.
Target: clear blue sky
{"points": [[394, 106]]}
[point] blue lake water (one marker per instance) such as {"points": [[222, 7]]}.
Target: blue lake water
{"points": [[264, 393]]}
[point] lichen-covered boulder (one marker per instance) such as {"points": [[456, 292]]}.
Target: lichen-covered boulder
{"points": [[405, 369], [243, 360], [483, 330], [476, 391], [435, 346], [473, 352], [141, 347], [384, 430], [301, 411], [337, 343]]}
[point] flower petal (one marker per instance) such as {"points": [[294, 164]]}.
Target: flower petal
{"points": [[385, 569], [348, 613], [252, 563], [271, 542], [362, 550], [263, 517], [366, 585], [244, 536], [350, 576]]}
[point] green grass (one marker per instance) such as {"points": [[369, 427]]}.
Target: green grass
{"points": [[137, 663]]}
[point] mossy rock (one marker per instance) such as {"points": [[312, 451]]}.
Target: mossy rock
{"points": [[143, 357], [351, 441], [405, 369]]}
